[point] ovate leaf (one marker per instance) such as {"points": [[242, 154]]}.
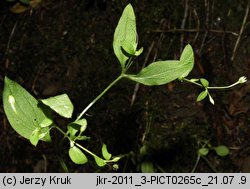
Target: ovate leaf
{"points": [[125, 36], [187, 59], [203, 151], [159, 73], [105, 152], [147, 167], [77, 156], [204, 82], [163, 72], [60, 104], [100, 162], [202, 95], [221, 150], [22, 111]]}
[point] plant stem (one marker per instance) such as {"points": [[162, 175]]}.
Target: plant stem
{"points": [[224, 87], [99, 96], [193, 82], [196, 164], [209, 164], [61, 131], [86, 150]]}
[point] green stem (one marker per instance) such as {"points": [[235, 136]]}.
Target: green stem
{"points": [[86, 150], [224, 87], [61, 131], [209, 164], [216, 88], [99, 96], [193, 82], [196, 163]]}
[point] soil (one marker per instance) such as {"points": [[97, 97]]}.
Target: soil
{"points": [[66, 47]]}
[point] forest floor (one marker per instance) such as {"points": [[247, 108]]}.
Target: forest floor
{"points": [[66, 47]]}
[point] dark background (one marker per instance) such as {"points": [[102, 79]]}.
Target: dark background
{"points": [[65, 46]]}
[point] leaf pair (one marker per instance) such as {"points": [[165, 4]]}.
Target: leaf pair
{"points": [[27, 116], [204, 93], [125, 37], [23, 112], [220, 150]]}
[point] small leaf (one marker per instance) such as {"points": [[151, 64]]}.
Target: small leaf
{"points": [[147, 167], [77, 126], [46, 122], [211, 99], [137, 53], [143, 150], [203, 151], [22, 110], [194, 80], [77, 156], [100, 162], [105, 152], [60, 104], [204, 82], [82, 138], [202, 95], [125, 36], [221, 150], [115, 159], [34, 138]]}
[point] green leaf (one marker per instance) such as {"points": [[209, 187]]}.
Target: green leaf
{"points": [[221, 150], [105, 152], [137, 53], [202, 95], [211, 99], [147, 167], [82, 138], [163, 72], [60, 104], [159, 73], [125, 36], [22, 110], [204, 82], [77, 156], [34, 138], [46, 122], [77, 126], [99, 161], [203, 151], [187, 59], [115, 159], [143, 150]]}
